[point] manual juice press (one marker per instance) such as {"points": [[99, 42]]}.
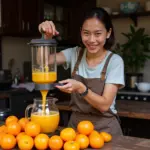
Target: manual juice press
{"points": [[44, 67]]}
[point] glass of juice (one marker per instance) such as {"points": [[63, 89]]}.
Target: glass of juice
{"points": [[45, 113]]}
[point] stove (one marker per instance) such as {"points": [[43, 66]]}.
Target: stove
{"points": [[133, 95]]}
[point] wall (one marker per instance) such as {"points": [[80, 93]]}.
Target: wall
{"points": [[122, 25], [16, 48]]}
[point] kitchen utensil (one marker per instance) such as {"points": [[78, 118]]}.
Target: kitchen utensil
{"points": [[50, 119], [143, 86]]}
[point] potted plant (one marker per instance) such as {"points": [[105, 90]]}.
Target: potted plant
{"points": [[135, 51]]}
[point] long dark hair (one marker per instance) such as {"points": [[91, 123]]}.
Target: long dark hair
{"points": [[104, 17]]}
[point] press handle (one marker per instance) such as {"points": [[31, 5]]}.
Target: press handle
{"points": [[27, 111]]}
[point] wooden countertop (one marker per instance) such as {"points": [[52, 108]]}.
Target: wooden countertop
{"points": [[120, 143], [126, 143], [117, 143], [123, 143], [126, 108]]}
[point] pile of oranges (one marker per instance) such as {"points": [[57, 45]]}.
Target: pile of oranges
{"points": [[27, 134]]}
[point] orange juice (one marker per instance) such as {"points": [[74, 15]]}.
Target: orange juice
{"points": [[44, 77], [44, 94], [48, 122]]}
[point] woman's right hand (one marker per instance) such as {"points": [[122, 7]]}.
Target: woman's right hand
{"points": [[48, 28]]}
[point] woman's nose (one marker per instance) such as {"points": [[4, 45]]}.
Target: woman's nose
{"points": [[92, 38]]}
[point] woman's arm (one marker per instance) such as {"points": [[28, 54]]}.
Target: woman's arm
{"points": [[49, 59], [49, 30], [60, 58], [102, 103]]}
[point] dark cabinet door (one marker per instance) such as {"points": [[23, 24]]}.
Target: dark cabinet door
{"points": [[20, 17], [30, 16], [77, 9], [9, 16], [135, 127]]}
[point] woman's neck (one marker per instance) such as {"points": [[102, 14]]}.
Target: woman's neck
{"points": [[95, 59]]}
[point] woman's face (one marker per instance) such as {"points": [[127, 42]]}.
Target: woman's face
{"points": [[94, 35]]}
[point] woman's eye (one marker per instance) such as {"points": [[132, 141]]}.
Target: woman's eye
{"points": [[85, 33], [97, 34]]}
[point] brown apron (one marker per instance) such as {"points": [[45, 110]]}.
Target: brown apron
{"points": [[82, 110]]}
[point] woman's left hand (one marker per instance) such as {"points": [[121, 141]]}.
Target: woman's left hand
{"points": [[71, 85]]}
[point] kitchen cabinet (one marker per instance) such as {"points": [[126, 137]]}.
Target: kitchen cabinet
{"points": [[69, 22], [19, 17], [58, 12], [77, 10], [9, 16], [135, 127], [29, 16]]}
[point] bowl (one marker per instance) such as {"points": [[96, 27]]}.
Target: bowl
{"points": [[129, 7], [143, 86]]}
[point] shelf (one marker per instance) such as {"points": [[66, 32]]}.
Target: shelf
{"points": [[133, 16]]}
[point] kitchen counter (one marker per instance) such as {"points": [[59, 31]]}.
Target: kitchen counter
{"points": [[126, 143], [123, 143], [126, 108], [118, 143], [15, 91]]}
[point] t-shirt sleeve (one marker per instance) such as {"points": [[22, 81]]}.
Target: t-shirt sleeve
{"points": [[115, 71], [69, 54]]}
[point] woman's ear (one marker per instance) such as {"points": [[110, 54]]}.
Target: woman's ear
{"points": [[109, 33]]}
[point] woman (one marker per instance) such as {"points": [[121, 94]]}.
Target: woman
{"points": [[97, 73]]}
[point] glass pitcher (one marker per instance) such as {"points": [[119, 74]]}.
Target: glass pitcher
{"points": [[49, 119]]}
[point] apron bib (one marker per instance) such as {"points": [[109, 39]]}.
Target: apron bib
{"points": [[82, 110]]}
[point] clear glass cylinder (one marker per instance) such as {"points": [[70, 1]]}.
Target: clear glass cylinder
{"points": [[44, 67]]}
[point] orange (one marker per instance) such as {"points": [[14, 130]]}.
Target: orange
{"points": [[106, 136], [13, 128], [10, 119], [83, 141], [23, 122], [8, 141], [71, 145], [25, 142], [55, 142], [85, 127], [20, 135], [32, 129], [41, 141], [96, 140], [1, 136], [3, 128], [68, 134]]}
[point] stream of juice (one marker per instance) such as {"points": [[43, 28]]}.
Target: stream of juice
{"points": [[48, 122], [44, 94]]}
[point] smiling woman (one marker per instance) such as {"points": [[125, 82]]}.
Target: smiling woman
{"points": [[97, 73]]}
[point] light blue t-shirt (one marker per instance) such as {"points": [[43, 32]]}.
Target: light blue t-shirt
{"points": [[114, 73]]}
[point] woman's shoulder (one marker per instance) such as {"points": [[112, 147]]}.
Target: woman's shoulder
{"points": [[116, 58]]}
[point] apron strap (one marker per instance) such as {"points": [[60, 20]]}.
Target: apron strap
{"points": [[103, 73], [81, 52]]}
